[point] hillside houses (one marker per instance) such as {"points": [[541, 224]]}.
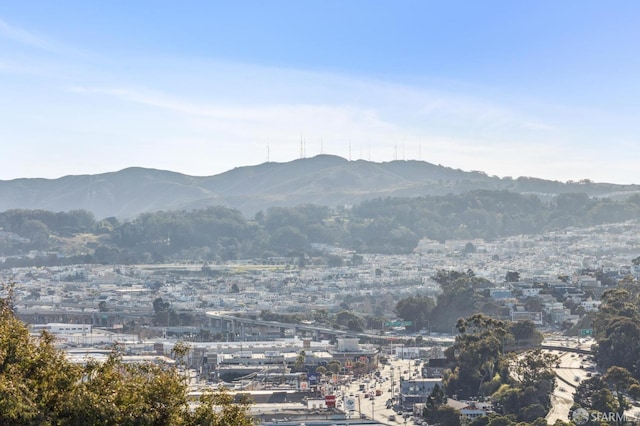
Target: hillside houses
{"points": [[552, 280]]}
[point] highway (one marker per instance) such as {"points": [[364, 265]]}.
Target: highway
{"points": [[569, 375]]}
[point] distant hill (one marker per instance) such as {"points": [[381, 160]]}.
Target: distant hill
{"points": [[324, 180]]}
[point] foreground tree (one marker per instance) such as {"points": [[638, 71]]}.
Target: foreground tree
{"points": [[619, 381], [39, 386], [617, 331], [35, 379]]}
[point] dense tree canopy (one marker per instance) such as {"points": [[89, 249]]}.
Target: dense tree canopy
{"points": [[518, 386], [39, 386], [415, 309], [384, 225], [462, 296], [617, 330]]}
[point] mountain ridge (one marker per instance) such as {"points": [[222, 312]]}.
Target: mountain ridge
{"points": [[324, 179]]}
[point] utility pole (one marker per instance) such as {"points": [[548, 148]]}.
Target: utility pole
{"points": [[392, 382]]}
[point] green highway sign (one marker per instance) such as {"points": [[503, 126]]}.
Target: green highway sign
{"points": [[397, 323], [586, 332]]}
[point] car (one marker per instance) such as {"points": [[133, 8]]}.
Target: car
{"points": [[576, 378], [392, 418]]}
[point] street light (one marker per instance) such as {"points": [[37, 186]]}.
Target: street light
{"points": [[372, 406]]}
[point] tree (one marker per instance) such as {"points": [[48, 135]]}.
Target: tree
{"points": [[334, 366], [469, 248], [219, 409], [478, 354], [350, 320], [619, 381], [415, 309], [444, 415], [500, 421], [460, 297], [334, 261], [617, 331], [526, 330], [39, 386], [436, 398], [300, 361], [512, 277], [533, 412], [593, 394], [165, 315], [534, 367], [35, 379], [180, 351]]}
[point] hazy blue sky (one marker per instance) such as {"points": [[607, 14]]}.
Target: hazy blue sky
{"points": [[549, 89]]}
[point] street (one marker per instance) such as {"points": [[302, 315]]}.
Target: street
{"points": [[388, 385]]}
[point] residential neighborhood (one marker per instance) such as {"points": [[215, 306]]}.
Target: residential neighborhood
{"points": [[89, 308]]}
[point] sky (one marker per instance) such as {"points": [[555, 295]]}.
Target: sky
{"points": [[547, 89]]}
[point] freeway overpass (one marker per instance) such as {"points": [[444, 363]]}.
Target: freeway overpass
{"points": [[238, 325], [523, 345], [567, 349]]}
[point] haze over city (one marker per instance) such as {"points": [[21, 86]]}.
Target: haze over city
{"points": [[546, 89]]}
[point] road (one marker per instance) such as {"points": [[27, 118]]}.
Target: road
{"points": [[388, 383], [569, 375]]}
